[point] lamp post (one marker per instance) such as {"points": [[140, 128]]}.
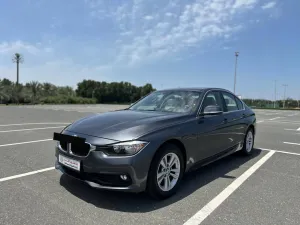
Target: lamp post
{"points": [[275, 96], [284, 85], [236, 57]]}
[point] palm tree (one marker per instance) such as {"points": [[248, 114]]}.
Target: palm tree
{"points": [[18, 58]]}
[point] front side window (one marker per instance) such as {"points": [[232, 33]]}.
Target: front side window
{"points": [[212, 98], [230, 102], [169, 101]]}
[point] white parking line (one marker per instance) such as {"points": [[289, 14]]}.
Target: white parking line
{"points": [[21, 124], [26, 174], [270, 114], [290, 143], [220, 198], [292, 129], [275, 118], [40, 128], [293, 114], [27, 142], [284, 152], [287, 122]]}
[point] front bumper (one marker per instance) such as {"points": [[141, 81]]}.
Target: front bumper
{"points": [[103, 172], [98, 180]]}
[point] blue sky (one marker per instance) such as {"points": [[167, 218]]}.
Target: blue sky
{"points": [[169, 43]]}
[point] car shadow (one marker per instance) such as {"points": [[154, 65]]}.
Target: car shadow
{"points": [[141, 202]]}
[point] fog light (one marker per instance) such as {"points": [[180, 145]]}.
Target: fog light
{"points": [[123, 177]]}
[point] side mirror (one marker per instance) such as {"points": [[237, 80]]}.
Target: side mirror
{"points": [[212, 110]]}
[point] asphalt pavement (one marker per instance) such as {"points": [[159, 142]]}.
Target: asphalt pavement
{"points": [[261, 189]]}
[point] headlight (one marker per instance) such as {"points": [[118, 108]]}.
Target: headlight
{"points": [[125, 148]]}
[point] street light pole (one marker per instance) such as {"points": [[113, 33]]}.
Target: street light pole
{"points": [[275, 96], [284, 85], [236, 57]]}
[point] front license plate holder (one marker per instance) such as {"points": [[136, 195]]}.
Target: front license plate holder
{"points": [[69, 162]]}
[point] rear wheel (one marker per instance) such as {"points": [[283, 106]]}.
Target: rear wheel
{"points": [[165, 172], [248, 142]]}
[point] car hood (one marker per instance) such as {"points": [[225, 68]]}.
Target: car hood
{"points": [[124, 124]]}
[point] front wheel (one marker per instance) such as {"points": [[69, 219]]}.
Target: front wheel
{"points": [[248, 142], [165, 172]]}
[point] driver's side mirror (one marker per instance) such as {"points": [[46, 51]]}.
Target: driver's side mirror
{"points": [[212, 110]]}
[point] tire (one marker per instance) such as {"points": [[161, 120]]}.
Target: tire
{"points": [[154, 187], [248, 147]]}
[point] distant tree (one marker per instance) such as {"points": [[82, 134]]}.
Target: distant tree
{"points": [[49, 89], [35, 88], [102, 92], [146, 89], [18, 58], [3, 93], [114, 92], [66, 91], [6, 82]]}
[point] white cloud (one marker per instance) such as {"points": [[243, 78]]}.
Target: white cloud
{"points": [[244, 3], [195, 23], [143, 30], [48, 49], [252, 21], [126, 33], [20, 46], [148, 17], [269, 5]]}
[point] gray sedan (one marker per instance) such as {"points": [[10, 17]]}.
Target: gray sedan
{"points": [[150, 145]]}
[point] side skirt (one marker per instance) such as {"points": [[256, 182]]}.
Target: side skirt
{"points": [[216, 157]]}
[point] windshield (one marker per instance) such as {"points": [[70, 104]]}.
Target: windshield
{"points": [[169, 101]]}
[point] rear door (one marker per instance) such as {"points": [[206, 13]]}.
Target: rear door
{"points": [[234, 116]]}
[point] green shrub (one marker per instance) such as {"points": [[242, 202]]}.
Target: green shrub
{"points": [[67, 100]]}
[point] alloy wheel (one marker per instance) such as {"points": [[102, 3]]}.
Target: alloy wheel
{"points": [[249, 141], [168, 172]]}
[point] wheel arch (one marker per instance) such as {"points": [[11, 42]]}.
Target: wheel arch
{"points": [[251, 126], [179, 144]]}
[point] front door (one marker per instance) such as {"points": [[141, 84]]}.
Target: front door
{"points": [[212, 128], [235, 120]]}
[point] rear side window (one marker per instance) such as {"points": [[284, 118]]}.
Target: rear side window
{"points": [[230, 102], [239, 103]]}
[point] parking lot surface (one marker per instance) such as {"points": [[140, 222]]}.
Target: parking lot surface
{"points": [[261, 189]]}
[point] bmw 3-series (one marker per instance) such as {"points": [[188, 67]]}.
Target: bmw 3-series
{"points": [[153, 143]]}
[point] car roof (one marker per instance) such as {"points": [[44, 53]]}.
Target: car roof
{"points": [[194, 89]]}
